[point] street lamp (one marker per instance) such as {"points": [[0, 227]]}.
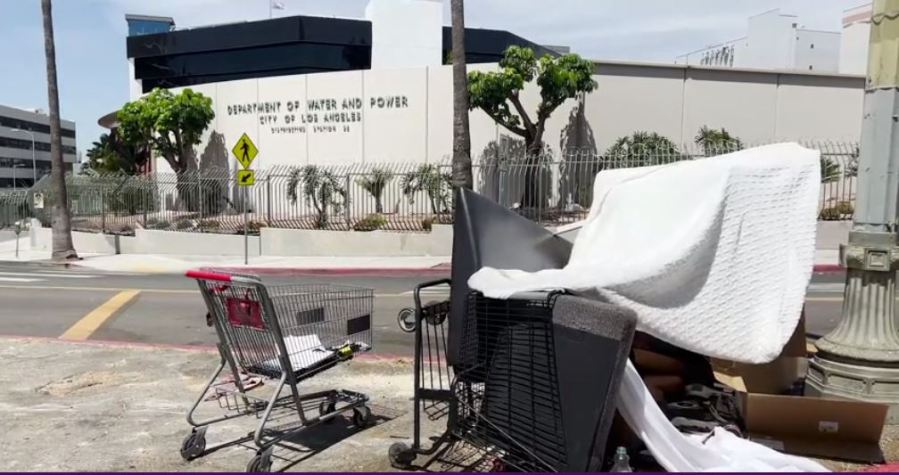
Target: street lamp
{"points": [[33, 162], [14, 166]]}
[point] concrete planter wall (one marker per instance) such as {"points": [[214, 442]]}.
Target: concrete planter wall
{"points": [[272, 242]]}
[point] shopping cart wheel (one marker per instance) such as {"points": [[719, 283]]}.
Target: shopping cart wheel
{"points": [[406, 319], [401, 456], [326, 407], [262, 462], [194, 444], [361, 416]]}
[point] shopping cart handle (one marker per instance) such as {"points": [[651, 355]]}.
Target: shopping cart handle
{"points": [[208, 275]]}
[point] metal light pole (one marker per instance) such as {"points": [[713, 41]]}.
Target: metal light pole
{"points": [[33, 161], [860, 358]]}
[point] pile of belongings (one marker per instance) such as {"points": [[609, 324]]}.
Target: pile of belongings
{"points": [[714, 256]]}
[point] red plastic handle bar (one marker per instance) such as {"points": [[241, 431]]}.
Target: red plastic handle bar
{"points": [[208, 275]]}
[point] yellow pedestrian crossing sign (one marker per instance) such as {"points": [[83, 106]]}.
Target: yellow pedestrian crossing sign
{"points": [[245, 151], [246, 177]]}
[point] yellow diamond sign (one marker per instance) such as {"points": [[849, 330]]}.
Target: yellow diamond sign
{"points": [[246, 177], [245, 151]]}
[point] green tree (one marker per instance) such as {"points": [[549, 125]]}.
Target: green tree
{"points": [[498, 94], [172, 124], [717, 141], [110, 154], [642, 148], [374, 184], [321, 188], [830, 170], [63, 248], [428, 178]]}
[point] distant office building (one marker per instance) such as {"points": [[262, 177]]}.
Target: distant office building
{"points": [[19, 131], [773, 41], [855, 39]]}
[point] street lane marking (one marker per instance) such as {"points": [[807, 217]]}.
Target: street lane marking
{"points": [[18, 279], [84, 328], [51, 276]]}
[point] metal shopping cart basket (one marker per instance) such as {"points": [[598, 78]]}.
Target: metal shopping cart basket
{"points": [[287, 333]]}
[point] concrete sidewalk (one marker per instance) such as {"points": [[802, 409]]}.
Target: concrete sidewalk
{"points": [[90, 407]]}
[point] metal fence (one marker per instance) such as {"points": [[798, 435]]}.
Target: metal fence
{"points": [[551, 189]]}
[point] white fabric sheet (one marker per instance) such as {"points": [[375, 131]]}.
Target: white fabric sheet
{"points": [[676, 452], [305, 352], [714, 255]]}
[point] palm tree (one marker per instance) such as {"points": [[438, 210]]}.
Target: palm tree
{"points": [[63, 249], [374, 184], [321, 188], [461, 135], [435, 184], [641, 149], [830, 170], [717, 141]]}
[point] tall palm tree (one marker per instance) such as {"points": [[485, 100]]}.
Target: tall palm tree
{"points": [[461, 136], [63, 249]]}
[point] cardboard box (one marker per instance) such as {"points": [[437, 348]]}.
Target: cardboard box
{"points": [[827, 428], [775, 377], [807, 426]]}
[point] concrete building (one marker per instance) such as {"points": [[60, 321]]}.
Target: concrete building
{"points": [[307, 91], [855, 39], [773, 41], [25, 146]]}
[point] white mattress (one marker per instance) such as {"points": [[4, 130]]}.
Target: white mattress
{"points": [[714, 255]]}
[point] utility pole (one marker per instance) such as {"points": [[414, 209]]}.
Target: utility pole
{"points": [[860, 358]]}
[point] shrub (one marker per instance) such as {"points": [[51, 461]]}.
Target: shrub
{"points": [[830, 214], [209, 225], [370, 223], [253, 227], [184, 225], [427, 223], [845, 207]]}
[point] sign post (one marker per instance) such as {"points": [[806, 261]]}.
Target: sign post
{"points": [[245, 152]]}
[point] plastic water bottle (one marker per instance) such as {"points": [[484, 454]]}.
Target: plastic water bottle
{"points": [[622, 462]]}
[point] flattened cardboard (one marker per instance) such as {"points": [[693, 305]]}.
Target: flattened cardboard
{"points": [[828, 428]]}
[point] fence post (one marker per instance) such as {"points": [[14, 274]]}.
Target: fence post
{"points": [[200, 193], [346, 203], [268, 197], [102, 211]]}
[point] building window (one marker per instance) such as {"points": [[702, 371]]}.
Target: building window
{"points": [[812, 46], [810, 67]]}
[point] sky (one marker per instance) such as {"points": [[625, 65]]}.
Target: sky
{"points": [[93, 68]]}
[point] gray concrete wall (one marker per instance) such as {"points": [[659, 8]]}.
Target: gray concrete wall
{"points": [[302, 242]]}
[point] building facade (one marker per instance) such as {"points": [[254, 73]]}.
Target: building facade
{"points": [[773, 41], [855, 39], [25, 146]]}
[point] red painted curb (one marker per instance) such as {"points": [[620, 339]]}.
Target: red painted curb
{"points": [[828, 268], [367, 357], [349, 271]]}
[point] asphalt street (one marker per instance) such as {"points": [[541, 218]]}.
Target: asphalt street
{"points": [[54, 302]]}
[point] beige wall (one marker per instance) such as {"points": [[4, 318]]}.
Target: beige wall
{"points": [[405, 115]]}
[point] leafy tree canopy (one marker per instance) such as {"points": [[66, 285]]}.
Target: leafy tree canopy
{"points": [[172, 123], [497, 93]]}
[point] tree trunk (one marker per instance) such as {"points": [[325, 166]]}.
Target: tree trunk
{"points": [[532, 194], [461, 135], [63, 249]]}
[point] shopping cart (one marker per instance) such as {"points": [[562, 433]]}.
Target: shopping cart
{"points": [[287, 333]]}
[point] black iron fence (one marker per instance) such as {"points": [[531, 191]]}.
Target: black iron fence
{"points": [[551, 189]]}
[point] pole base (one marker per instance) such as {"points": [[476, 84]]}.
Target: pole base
{"points": [[854, 381]]}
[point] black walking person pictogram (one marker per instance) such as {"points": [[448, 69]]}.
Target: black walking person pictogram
{"points": [[245, 148]]}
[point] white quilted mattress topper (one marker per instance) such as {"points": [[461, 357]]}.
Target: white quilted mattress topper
{"points": [[714, 255]]}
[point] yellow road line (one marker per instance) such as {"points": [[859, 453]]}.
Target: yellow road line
{"points": [[84, 328]]}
